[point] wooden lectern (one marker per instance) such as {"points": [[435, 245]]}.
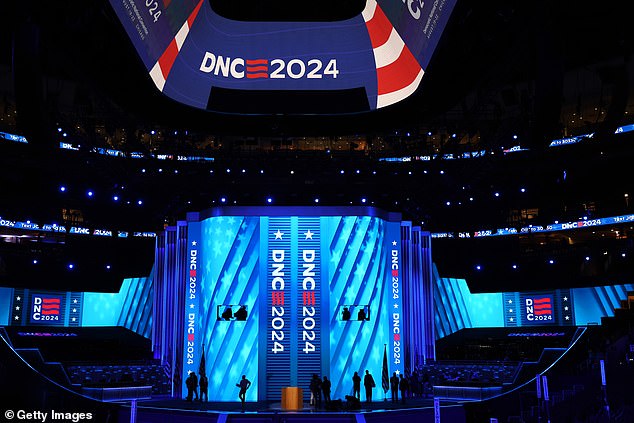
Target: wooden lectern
{"points": [[292, 398]]}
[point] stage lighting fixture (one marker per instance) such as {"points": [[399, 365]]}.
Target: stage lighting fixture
{"points": [[62, 188]]}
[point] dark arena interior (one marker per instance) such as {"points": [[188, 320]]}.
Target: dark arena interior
{"points": [[435, 195]]}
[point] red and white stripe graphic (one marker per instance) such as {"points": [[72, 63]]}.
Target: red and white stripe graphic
{"points": [[398, 72], [163, 65]]}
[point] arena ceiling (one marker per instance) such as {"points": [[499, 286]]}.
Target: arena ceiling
{"points": [[497, 60]]}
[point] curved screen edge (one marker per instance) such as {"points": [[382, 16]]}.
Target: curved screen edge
{"points": [[192, 54]]}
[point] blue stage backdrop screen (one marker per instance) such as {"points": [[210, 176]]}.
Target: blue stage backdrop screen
{"points": [[266, 297]]}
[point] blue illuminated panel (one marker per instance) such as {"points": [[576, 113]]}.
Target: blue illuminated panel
{"points": [[309, 305], [230, 274], [278, 329], [357, 260], [192, 340], [394, 294]]}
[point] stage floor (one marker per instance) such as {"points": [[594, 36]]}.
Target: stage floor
{"points": [[264, 407], [168, 410]]}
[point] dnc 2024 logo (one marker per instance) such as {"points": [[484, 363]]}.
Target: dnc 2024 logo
{"points": [[539, 308], [46, 308]]}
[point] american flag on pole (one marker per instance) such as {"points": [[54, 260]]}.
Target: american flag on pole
{"points": [[385, 374]]}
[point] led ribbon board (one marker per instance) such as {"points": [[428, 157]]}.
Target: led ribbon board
{"points": [[193, 55]]}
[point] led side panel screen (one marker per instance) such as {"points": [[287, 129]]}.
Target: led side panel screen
{"points": [[197, 57], [131, 307]]}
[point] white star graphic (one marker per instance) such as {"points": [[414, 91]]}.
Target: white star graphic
{"points": [[393, 242], [17, 308], [75, 301], [566, 308], [74, 310], [308, 234], [17, 317], [510, 310], [567, 317], [565, 298], [18, 298], [511, 319], [73, 319], [395, 305], [398, 372], [194, 243], [191, 306], [510, 301], [278, 234]]}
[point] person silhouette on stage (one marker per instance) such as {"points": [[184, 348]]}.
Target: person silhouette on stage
{"points": [[241, 314], [195, 384], [404, 386], [368, 382], [189, 382], [345, 314], [394, 387], [356, 385], [325, 387], [315, 390], [204, 384], [244, 384]]}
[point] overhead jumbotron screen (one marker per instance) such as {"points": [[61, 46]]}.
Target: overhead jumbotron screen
{"points": [[201, 59]]}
